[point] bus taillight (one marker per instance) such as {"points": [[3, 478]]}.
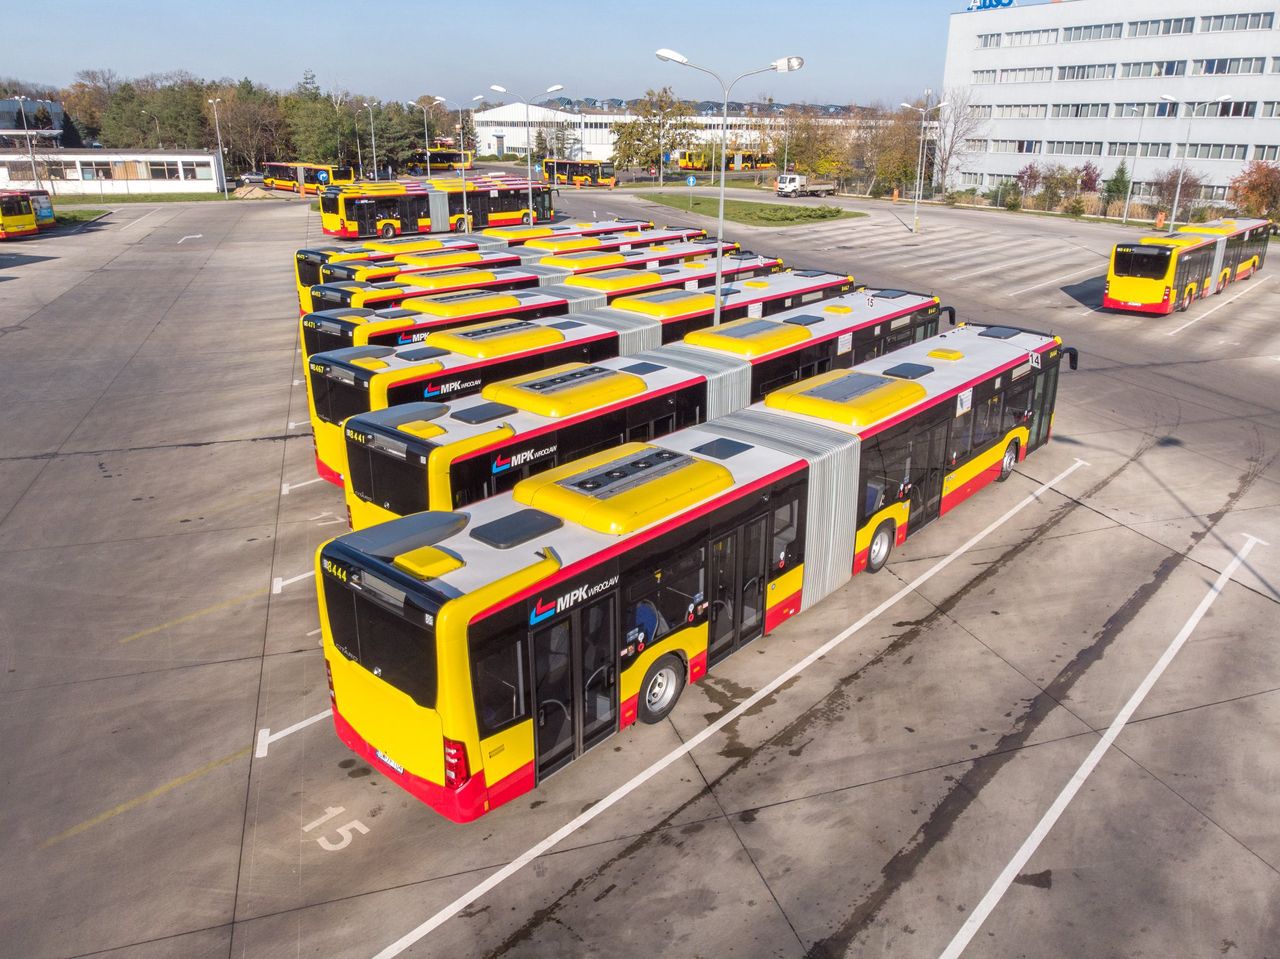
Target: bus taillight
{"points": [[333, 695], [455, 764], [1167, 291]]}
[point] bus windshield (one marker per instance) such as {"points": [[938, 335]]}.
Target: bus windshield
{"points": [[398, 485], [1143, 262], [606, 170], [386, 644]]}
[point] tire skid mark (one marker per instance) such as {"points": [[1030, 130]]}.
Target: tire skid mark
{"points": [[967, 787]]}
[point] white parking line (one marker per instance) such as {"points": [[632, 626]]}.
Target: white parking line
{"points": [[1056, 279], [1008, 265], [266, 737], [1218, 307], [278, 584], [287, 488], [1046, 823], [141, 218], [506, 872]]}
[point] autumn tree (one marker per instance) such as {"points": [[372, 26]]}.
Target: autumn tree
{"points": [[661, 125], [958, 122], [1256, 191], [1164, 187]]}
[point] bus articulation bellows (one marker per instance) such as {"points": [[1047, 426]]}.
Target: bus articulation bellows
{"points": [[1160, 274], [447, 455], [457, 362], [472, 655]]}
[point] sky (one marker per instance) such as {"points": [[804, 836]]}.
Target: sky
{"points": [[855, 51]]}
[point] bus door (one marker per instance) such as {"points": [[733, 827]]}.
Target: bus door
{"points": [[366, 217], [1046, 391], [928, 467], [736, 588], [575, 681]]}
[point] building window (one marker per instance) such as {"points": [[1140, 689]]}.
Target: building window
{"points": [[1270, 153], [970, 179], [988, 40], [1088, 71], [1075, 148], [1161, 28], [1138, 149], [1212, 193], [1015, 146], [1074, 111], [1026, 75], [196, 171], [980, 111], [163, 169], [1237, 21], [95, 170], [1213, 151], [1160, 108], [1096, 31], [1154, 68], [975, 146], [1000, 179], [984, 76], [1022, 111], [1229, 108], [1031, 38], [1271, 108], [1228, 66]]}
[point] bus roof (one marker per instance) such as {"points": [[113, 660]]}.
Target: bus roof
{"points": [[574, 513]]}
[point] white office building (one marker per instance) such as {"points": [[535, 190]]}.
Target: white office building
{"points": [[1152, 82]]}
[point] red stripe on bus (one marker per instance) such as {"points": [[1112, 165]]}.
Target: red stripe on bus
{"points": [[698, 666], [328, 473], [779, 613]]}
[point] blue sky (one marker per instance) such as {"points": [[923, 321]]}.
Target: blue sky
{"points": [[855, 51]]}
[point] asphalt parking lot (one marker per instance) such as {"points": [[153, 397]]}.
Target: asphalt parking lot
{"points": [[173, 787]]}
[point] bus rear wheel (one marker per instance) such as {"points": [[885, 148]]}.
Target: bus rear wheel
{"points": [[1009, 462], [662, 686], [387, 231], [526, 219], [1185, 304], [880, 548]]}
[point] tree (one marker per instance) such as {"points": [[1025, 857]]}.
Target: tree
{"points": [[958, 123], [1056, 182], [817, 148], [1257, 189], [1116, 189], [1028, 179], [661, 125], [1088, 176], [123, 123], [885, 143], [1164, 187]]}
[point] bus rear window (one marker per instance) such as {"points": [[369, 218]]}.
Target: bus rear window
{"points": [[328, 204], [398, 485], [1144, 262], [387, 644], [336, 400]]}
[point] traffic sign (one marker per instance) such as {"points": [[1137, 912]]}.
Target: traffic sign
{"points": [[691, 180]]}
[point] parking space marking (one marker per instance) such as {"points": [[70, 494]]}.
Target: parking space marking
{"points": [[236, 601], [1007, 265], [141, 218], [193, 236], [476, 892], [1218, 307], [286, 488], [1056, 279], [1047, 821], [137, 801], [279, 584], [266, 737]]}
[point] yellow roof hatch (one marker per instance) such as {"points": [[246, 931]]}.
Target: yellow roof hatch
{"points": [[565, 390], [848, 396], [666, 304], [378, 246], [748, 337], [484, 341], [516, 232], [446, 279], [564, 244], [463, 303], [428, 562], [610, 281], [423, 429], [584, 260], [624, 489], [943, 353], [445, 258]]}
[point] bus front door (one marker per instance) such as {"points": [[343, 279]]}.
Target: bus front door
{"points": [[736, 588], [928, 467], [575, 665], [1046, 391]]}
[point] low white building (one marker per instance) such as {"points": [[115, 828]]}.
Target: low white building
{"points": [[111, 172]]}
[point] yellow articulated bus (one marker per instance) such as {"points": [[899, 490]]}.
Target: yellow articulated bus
{"points": [[432, 455], [471, 655], [424, 277], [579, 172], [315, 176], [432, 206], [449, 363], [309, 262], [1160, 274], [426, 162], [17, 217]]}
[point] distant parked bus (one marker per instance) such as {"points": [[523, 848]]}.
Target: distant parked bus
{"points": [[42, 207], [441, 158], [17, 218], [316, 176], [579, 172]]}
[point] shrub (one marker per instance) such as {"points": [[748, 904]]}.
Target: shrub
{"points": [[1074, 207], [876, 191], [1013, 200]]}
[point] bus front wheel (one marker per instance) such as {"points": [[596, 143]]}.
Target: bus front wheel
{"points": [[662, 686], [387, 231], [1009, 462], [881, 547]]}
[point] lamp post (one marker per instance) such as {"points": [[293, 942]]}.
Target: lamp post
{"points": [[1137, 153], [784, 65], [924, 113], [528, 153], [222, 165], [373, 140], [426, 137], [157, 119], [22, 106], [1177, 193], [462, 150]]}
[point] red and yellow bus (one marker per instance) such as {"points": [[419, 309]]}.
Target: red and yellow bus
{"points": [[555, 415], [315, 176], [1160, 274], [471, 655], [432, 206], [579, 172], [449, 363], [17, 218], [437, 159]]}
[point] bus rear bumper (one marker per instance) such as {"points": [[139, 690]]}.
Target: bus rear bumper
{"points": [[1157, 309], [327, 472]]}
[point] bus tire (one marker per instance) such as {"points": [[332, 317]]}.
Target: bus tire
{"points": [[662, 686], [1185, 303], [1008, 462], [387, 231], [881, 546], [527, 219]]}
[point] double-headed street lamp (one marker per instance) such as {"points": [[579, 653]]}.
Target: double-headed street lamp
{"points": [[784, 65], [1177, 193], [426, 137], [462, 152], [22, 106], [157, 119], [373, 139], [222, 163], [528, 153], [924, 112]]}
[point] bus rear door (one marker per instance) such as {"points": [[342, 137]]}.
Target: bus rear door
{"points": [[366, 216], [736, 587]]}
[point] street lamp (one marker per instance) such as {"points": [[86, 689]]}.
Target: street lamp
{"points": [[27, 133], [1177, 193], [157, 119], [222, 164], [528, 139], [924, 112], [1137, 153], [462, 151], [784, 65], [426, 137], [373, 139]]}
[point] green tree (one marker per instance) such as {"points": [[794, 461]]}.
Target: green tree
{"points": [[661, 125], [1116, 188], [123, 123]]}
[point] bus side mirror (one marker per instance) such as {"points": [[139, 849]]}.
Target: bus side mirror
{"points": [[1073, 356], [951, 315]]}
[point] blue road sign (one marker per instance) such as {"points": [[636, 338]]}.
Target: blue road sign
{"points": [[691, 180]]}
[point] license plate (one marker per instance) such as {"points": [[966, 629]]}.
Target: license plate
{"points": [[390, 762]]}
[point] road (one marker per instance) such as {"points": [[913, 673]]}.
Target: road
{"points": [[166, 792]]}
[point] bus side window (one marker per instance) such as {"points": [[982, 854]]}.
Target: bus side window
{"points": [[961, 437], [499, 679], [986, 422], [1017, 405], [665, 600], [788, 544]]}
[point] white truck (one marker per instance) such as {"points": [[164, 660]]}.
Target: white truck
{"points": [[796, 184]]}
